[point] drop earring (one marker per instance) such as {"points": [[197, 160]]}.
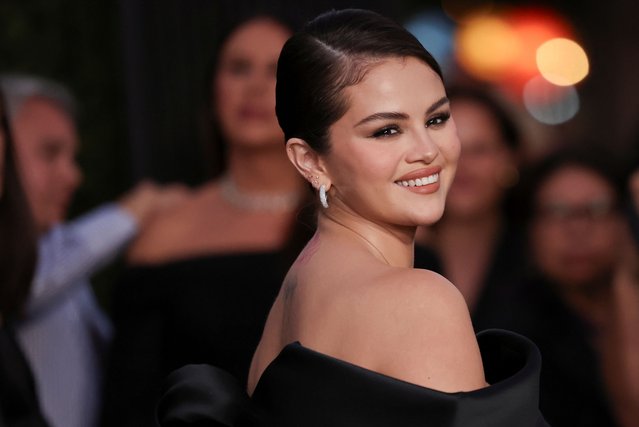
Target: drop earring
{"points": [[322, 196]]}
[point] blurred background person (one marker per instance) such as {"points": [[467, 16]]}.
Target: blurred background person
{"points": [[19, 404], [577, 304], [64, 333], [476, 244], [203, 277]]}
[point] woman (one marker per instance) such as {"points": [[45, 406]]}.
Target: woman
{"points": [[368, 124], [478, 246], [581, 303], [203, 277], [19, 405]]}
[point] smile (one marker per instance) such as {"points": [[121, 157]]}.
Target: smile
{"points": [[419, 182]]}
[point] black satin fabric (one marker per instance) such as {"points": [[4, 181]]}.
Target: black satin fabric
{"points": [[19, 406], [302, 387], [207, 310]]}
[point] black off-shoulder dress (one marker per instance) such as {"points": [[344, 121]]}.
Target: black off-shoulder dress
{"points": [[302, 387]]}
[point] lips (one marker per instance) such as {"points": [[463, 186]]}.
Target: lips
{"points": [[419, 182], [253, 113], [420, 178]]}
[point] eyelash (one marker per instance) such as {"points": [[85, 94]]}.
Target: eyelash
{"points": [[391, 130], [386, 132], [438, 120]]}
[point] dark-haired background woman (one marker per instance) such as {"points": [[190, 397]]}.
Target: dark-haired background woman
{"points": [[202, 278], [19, 404]]}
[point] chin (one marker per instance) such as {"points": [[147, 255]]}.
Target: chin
{"points": [[428, 219]]}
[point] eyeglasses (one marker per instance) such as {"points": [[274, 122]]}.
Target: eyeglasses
{"points": [[562, 212]]}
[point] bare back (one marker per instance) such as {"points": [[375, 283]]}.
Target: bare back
{"points": [[340, 300]]}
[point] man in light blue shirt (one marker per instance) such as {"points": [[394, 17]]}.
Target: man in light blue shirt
{"points": [[64, 333]]}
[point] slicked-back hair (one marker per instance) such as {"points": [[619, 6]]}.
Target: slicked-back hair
{"points": [[332, 52]]}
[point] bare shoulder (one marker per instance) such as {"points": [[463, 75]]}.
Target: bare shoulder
{"points": [[417, 292], [426, 292], [423, 324]]}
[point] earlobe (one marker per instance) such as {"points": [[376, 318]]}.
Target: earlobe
{"points": [[306, 161]]}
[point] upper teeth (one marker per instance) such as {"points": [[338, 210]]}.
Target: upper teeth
{"points": [[419, 181]]}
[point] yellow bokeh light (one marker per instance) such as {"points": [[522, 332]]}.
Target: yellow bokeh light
{"points": [[487, 46], [562, 62]]}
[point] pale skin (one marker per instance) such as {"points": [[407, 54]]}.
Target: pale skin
{"points": [[244, 98], [352, 293]]}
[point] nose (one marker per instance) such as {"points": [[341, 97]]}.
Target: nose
{"points": [[423, 149], [260, 83]]}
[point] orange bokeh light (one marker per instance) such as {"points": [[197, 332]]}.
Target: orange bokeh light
{"points": [[533, 27], [486, 46], [562, 62], [502, 46]]}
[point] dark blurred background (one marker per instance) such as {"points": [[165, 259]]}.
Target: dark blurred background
{"points": [[139, 70]]}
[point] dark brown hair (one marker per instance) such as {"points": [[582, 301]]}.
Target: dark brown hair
{"points": [[17, 232], [332, 52]]}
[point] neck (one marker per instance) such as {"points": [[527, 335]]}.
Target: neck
{"points": [[263, 170], [478, 230], [390, 245]]}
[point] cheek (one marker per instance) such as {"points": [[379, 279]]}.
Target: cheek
{"points": [[545, 242], [226, 93], [450, 146], [607, 240]]}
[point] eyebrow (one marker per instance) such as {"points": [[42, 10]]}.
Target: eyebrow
{"points": [[392, 115]]}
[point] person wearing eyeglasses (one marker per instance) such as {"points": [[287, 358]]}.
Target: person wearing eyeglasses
{"points": [[574, 306]]}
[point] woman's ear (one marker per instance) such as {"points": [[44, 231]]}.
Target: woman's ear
{"points": [[307, 162]]}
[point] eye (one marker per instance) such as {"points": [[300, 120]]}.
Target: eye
{"points": [[238, 67], [438, 120], [386, 132]]}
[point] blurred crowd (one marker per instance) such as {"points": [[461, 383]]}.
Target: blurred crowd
{"points": [[546, 246]]}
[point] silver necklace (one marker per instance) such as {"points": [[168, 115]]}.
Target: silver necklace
{"points": [[258, 202]]}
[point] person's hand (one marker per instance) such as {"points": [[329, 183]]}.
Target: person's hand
{"points": [[148, 199]]}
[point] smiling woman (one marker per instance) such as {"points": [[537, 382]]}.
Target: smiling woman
{"points": [[374, 341]]}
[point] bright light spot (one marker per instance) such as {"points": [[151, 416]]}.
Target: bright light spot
{"points": [[533, 26], [562, 62], [487, 46], [548, 103]]}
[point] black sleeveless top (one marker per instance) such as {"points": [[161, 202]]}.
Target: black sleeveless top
{"points": [[209, 309], [302, 387]]}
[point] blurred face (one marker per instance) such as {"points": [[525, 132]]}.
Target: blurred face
{"points": [[245, 84], [46, 144], [2, 150], [634, 188], [393, 154], [484, 163], [577, 230]]}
